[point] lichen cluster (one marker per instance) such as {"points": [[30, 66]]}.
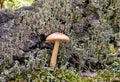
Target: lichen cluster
{"points": [[93, 26]]}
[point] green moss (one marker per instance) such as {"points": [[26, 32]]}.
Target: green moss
{"points": [[89, 28]]}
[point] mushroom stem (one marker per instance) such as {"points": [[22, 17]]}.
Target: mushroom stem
{"points": [[54, 54]]}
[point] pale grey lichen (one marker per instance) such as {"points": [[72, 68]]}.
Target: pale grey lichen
{"points": [[89, 24]]}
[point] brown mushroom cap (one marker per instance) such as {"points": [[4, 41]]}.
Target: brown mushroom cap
{"points": [[57, 36]]}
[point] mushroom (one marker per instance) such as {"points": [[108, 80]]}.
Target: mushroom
{"points": [[56, 37]]}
